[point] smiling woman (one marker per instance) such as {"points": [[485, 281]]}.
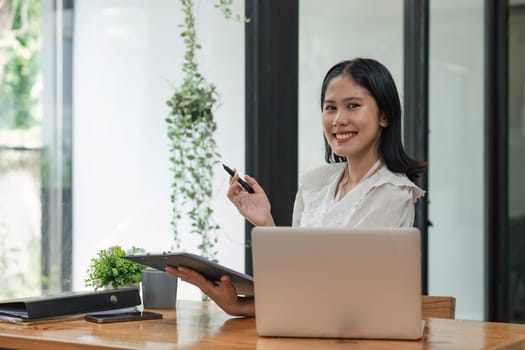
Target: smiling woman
{"points": [[366, 183], [371, 84], [352, 125], [370, 184]]}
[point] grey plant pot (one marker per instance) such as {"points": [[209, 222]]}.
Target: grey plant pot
{"points": [[159, 290]]}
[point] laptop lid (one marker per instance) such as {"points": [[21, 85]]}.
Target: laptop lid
{"points": [[337, 283]]}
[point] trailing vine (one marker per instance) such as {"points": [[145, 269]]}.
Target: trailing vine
{"points": [[191, 131]]}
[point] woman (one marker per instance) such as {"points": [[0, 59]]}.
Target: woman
{"points": [[367, 181]]}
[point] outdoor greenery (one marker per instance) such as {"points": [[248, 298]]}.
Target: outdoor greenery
{"points": [[19, 63], [108, 268], [20, 78], [191, 128]]}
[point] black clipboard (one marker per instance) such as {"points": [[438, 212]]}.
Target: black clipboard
{"points": [[243, 283]]}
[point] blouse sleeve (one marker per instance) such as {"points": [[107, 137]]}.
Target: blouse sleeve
{"points": [[298, 208], [387, 205]]}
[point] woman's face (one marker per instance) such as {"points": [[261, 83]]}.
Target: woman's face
{"points": [[352, 121]]}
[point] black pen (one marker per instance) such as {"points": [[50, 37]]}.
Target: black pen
{"points": [[243, 183]]}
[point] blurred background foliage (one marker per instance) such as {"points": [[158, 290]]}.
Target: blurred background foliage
{"points": [[19, 64], [20, 140]]}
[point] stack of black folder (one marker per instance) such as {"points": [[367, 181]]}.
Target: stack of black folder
{"points": [[67, 304]]}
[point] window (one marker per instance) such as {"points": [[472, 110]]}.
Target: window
{"points": [[92, 170]]}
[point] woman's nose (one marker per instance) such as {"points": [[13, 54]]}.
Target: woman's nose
{"points": [[340, 119]]}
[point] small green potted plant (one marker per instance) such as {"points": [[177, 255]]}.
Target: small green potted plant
{"points": [[109, 270]]}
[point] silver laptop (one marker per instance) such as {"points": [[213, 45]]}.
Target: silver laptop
{"points": [[337, 283]]}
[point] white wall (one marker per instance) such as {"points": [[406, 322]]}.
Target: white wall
{"points": [[127, 54], [456, 147]]}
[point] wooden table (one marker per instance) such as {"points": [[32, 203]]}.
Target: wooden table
{"points": [[201, 325]]}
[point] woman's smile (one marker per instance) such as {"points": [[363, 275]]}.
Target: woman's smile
{"points": [[345, 136]]}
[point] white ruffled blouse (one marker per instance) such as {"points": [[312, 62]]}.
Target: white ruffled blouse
{"points": [[385, 199]]}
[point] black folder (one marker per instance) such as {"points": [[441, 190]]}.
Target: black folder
{"points": [[69, 303]]}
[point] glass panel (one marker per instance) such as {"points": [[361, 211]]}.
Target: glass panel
{"points": [[20, 148], [333, 31], [456, 156], [128, 56], [56, 213], [34, 228], [516, 133]]}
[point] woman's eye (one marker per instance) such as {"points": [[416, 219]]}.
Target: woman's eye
{"points": [[329, 108], [352, 105]]}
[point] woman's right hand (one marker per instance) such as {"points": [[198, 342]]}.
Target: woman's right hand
{"points": [[255, 207], [223, 293]]}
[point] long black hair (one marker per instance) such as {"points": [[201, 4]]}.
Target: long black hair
{"points": [[376, 78]]}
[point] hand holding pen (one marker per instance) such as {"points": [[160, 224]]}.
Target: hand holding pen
{"points": [[241, 182], [250, 199]]}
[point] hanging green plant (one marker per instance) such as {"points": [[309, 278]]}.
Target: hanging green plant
{"points": [[194, 153]]}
